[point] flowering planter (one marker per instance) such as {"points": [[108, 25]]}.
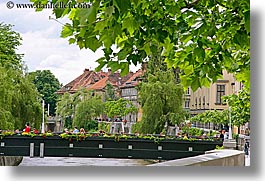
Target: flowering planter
{"points": [[137, 148]]}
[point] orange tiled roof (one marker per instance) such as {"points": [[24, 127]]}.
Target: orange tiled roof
{"points": [[86, 79], [132, 81], [95, 81], [100, 84], [114, 79]]}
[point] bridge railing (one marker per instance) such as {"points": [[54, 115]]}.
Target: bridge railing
{"points": [[108, 146]]}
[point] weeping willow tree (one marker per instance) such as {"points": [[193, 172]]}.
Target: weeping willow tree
{"points": [[90, 107], [161, 99], [80, 109], [19, 101]]}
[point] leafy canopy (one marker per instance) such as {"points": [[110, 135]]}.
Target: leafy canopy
{"points": [[87, 110], [47, 84], [119, 108], [161, 101], [200, 37], [19, 99], [240, 107]]}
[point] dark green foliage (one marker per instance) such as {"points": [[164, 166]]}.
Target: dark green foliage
{"points": [[110, 92], [80, 109], [47, 84], [20, 102], [91, 125], [68, 122], [9, 41], [161, 100], [104, 126], [89, 108], [199, 37]]}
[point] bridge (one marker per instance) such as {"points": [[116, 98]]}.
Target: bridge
{"points": [[101, 147]]}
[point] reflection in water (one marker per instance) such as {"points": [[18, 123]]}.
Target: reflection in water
{"points": [[66, 161]]}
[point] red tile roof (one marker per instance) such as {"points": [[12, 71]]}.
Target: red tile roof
{"points": [[133, 80], [96, 81]]}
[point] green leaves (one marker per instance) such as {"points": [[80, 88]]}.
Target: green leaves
{"points": [[47, 84], [92, 43], [109, 10], [129, 24], [122, 6], [195, 83], [119, 108], [124, 68], [200, 34], [160, 98], [240, 107], [88, 15], [19, 100], [67, 31], [247, 21], [168, 45]]}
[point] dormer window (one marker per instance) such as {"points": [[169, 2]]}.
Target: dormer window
{"points": [[67, 88]]}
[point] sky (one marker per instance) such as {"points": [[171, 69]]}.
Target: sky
{"points": [[42, 46]]}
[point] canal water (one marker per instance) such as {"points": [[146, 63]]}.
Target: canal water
{"points": [[66, 161]]}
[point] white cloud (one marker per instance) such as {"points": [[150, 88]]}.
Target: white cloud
{"points": [[42, 46]]}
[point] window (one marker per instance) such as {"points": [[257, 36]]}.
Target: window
{"points": [[187, 104], [219, 93]]}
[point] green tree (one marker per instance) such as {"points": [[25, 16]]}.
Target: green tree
{"points": [[119, 108], [65, 109], [161, 101], [80, 108], [240, 107], [199, 37], [19, 100], [47, 84], [212, 116], [87, 110], [110, 92], [9, 41]]}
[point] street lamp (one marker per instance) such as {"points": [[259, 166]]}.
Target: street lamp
{"points": [[42, 126], [230, 125]]}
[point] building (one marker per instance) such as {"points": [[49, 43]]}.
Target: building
{"points": [[128, 91], [210, 98], [96, 81], [124, 86]]}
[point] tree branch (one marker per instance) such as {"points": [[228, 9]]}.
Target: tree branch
{"points": [[190, 5]]}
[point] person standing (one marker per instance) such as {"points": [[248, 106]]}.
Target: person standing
{"points": [[27, 128], [222, 135]]}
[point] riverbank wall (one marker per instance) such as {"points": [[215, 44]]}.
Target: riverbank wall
{"points": [[10, 160], [210, 158]]}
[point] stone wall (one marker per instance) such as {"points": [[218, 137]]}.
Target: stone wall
{"points": [[211, 158], [10, 160]]}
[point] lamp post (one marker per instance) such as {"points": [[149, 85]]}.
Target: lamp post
{"points": [[42, 126], [48, 112], [230, 125]]}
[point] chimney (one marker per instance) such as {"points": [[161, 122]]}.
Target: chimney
{"points": [[109, 71], [86, 70], [144, 66]]}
